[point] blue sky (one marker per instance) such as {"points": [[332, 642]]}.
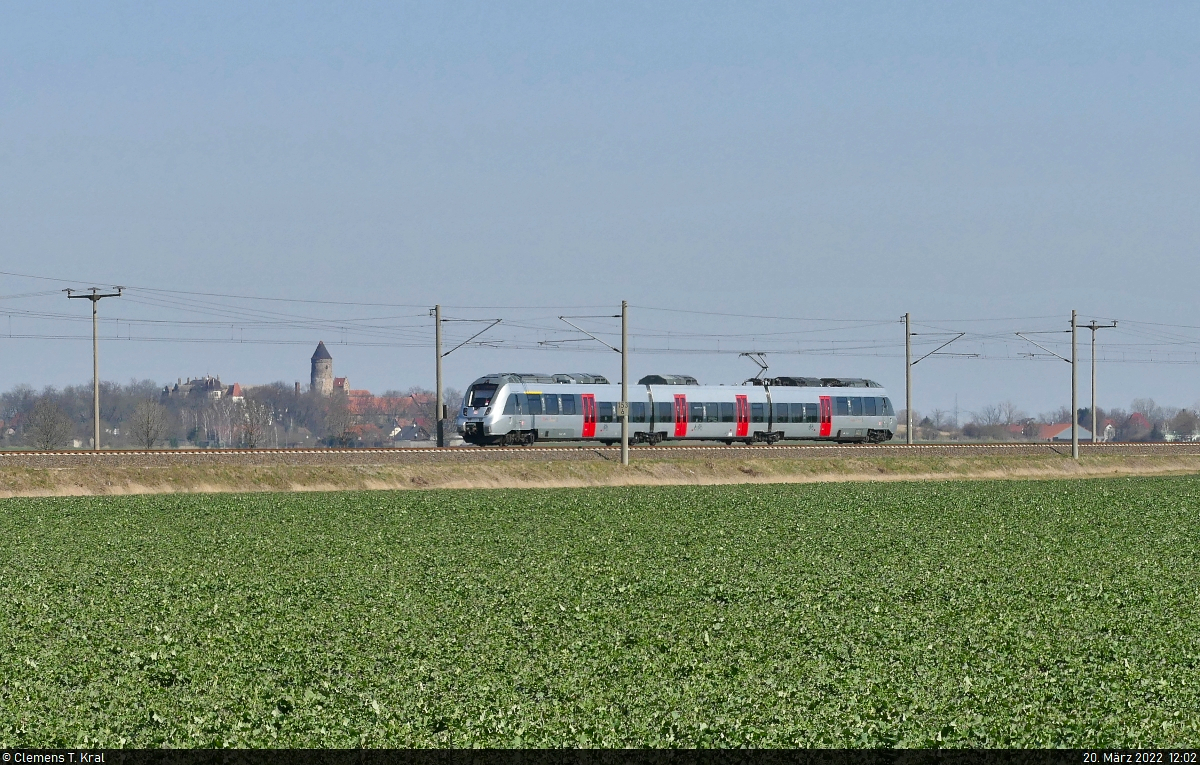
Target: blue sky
{"points": [[986, 167]]}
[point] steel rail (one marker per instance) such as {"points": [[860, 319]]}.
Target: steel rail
{"points": [[1050, 446]]}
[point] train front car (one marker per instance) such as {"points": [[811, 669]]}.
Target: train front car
{"points": [[522, 408], [475, 419]]}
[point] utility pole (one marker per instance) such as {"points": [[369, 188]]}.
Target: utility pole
{"points": [[623, 404], [440, 402], [624, 382], [1074, 378], [437, 344], [909, 364], [1074, 387], [908, 434], [95, 295], [1093, 326]]}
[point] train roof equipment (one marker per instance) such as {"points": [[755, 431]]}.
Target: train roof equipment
{"points": [[581, 378], [816, 382], [668, 380], [578, 378], [849, 382], [794, 382]]}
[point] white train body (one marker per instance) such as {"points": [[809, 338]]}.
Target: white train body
{"points": [[518, 408]]}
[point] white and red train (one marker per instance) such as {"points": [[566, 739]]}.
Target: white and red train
{"points": [[519, 408]]}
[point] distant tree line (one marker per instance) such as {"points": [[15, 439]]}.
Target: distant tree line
{"points": [[140, 415], [1143, 421]]}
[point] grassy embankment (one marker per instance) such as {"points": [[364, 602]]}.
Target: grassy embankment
{"points": [[1004, 613], [647, 469]]}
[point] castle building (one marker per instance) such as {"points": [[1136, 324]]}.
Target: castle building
{"points": [[208, 386], [322, 370]]}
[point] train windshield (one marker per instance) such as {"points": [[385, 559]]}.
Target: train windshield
{"points": [[480, 395]]}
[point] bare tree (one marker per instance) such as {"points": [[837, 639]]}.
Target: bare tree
{"points": [[49, 424], [148, 423], [1185, 423], [337, 418], [256, 419], [992, 414], [1147, 408], [224, 416], [1010, 414], [1059, 415], [938, 418]]}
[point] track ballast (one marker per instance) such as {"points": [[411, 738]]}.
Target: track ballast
{"points": [[171, 457]]}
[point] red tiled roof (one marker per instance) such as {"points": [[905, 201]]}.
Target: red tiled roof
{"points": [[1137, 418], [1050, 432]]}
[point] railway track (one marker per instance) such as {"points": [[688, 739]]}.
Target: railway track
{"points": [[426, 455]]}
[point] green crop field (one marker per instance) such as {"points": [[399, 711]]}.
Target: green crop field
{"points": [[903, 614]]}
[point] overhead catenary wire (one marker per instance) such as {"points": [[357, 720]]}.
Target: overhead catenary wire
{"points": [[219, 317]]}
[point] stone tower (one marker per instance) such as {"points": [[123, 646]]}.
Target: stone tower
{"points": [[322, 370]]}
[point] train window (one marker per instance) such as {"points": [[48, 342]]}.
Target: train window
{"points": [[512, 405], [712, 412], [870, 407], [664, 411], [568, 403], [637, 411], [797, 411], [779, 412], [758, 413], [812, 413], [856, 408], [550, 403], [695, 411], [480, 395], [728, 412], [604, 410], [841, 406], [534, 402], [887, 408]]}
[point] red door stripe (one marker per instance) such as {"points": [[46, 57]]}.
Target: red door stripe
{"points": [[589, 415], [743, 417], [826, 416], [681, 415]]}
